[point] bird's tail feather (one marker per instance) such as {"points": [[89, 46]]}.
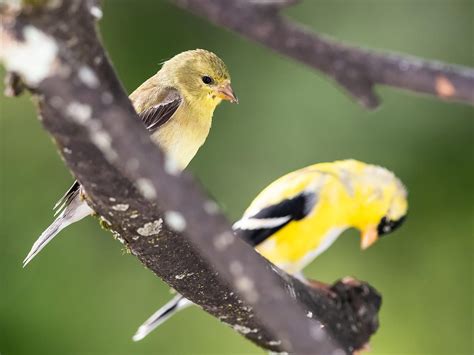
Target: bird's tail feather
{"points": [[73, 212], [177, 304]]}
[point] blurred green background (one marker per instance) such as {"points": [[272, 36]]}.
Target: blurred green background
{"points": [[83, 295]]}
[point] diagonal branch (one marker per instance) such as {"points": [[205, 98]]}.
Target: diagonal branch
{"points": [[164, 219], [355, 69]]}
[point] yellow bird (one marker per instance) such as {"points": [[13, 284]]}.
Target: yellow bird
{"points": [[301, 214], [176, 105]]}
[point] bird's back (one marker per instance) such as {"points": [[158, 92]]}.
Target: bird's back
{"points": [[287, 186]]}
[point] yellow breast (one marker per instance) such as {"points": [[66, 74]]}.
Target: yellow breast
{"points": [[183, 135]]}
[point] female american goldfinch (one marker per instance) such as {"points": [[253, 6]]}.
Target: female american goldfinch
{"points": [[176, 105], [301, 214]]}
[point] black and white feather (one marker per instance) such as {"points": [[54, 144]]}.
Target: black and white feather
{"points": [[71, 208], [254, 229]]}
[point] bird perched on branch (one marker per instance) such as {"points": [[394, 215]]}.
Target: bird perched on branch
{"points": [[176, 105], [301, 214]]}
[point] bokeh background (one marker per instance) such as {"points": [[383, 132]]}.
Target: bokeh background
{"points": [[83, 295]]}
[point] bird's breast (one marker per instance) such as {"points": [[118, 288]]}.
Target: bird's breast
{"points": [[183, 135]]}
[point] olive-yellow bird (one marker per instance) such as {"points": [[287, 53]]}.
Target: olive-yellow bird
{"points": [[301, 214], [176, 105]]}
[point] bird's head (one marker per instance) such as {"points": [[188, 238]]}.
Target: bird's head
{"points": [[202, 77], [385, 205]]}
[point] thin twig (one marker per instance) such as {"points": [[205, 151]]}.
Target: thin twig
{"points": [[355, 69]]}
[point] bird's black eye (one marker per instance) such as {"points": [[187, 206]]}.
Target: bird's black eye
{"points": [[207, 79], [387, 226]]}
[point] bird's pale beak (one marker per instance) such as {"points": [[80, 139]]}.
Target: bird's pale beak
{"points": [[368, 237], [225, 92]]}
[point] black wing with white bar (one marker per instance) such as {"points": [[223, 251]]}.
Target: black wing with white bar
{"points": [[258, 227]]}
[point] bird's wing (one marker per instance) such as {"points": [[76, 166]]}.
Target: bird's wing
{"points": [[157, 115], [153, 118], [261, 225]]}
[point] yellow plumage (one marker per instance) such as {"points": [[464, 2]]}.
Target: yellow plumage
{"points": [[187, 130], [349, 194], [181, 138]]}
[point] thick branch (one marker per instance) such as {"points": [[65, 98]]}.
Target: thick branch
{"points": [[164, 219], [355, 69]]}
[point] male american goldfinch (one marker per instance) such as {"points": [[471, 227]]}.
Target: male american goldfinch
{"points": [[176, 105], [301, 214]]}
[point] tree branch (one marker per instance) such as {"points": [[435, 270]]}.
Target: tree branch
{"points": [[355, 69], [165, 219]]}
